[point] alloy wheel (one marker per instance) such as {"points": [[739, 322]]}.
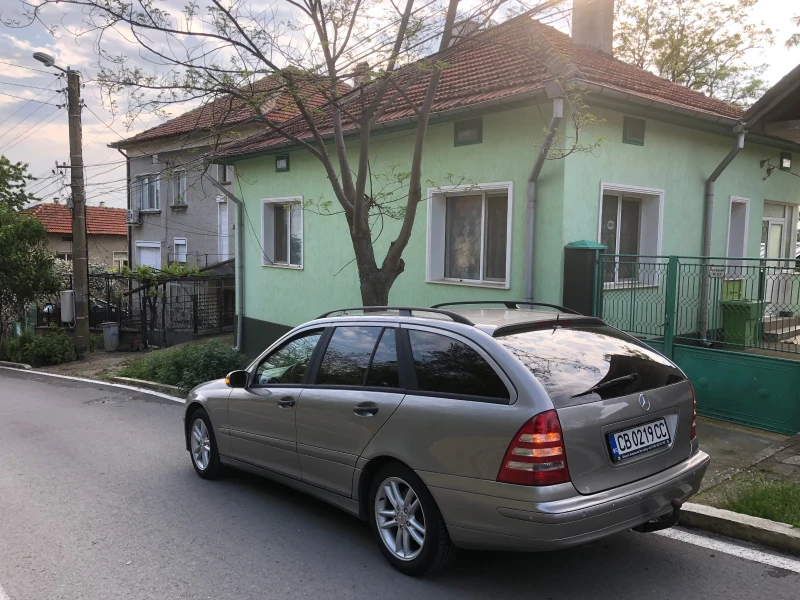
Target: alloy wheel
{"points": [[400, 519], [201, 444]]}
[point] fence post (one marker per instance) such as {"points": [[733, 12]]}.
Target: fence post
{"points": [[194, 313], [164, 313], [144, 307], [597, 300], [669, 306]]}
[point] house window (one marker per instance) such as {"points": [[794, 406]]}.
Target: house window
{"points": [[66, 238], [147, 191], [179, 247], [64, 255], [633, 131], [773, 232], [179, 188], [738, 219], [786, 161], [282, 232], [469, 237], [224, 173], [120, 259], [148, 254], [630, 227], [467, 132], [282, 163]]}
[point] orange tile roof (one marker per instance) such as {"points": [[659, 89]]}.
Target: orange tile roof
{"points": [[100, 220], [278, 106], [507, 60]]}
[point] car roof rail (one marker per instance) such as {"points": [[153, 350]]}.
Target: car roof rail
{"points": [[511, 304], [405, 311]]}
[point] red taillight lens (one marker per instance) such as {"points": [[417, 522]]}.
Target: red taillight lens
{"points": [[693, 432], [536, 455]]}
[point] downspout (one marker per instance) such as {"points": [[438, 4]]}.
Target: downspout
{"points": [[239, 280], [708, 221], [555, 92], [128, 186]]}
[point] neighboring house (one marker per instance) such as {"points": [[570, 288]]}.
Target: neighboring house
{"points": [[642, 191], [175, 214], [106, 232]]}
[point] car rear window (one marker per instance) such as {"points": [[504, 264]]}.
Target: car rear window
{"points": [[570, 361]]}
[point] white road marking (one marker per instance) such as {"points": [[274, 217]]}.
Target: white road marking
{"points": [[751, 554], [116, 385]]}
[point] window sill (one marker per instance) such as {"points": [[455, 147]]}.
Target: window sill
{"points": [[629, 285], [178, 206], [481, 284], [149, 211], [290, 267]]}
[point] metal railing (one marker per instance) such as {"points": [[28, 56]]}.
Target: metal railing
{"points": [[721, 302]]}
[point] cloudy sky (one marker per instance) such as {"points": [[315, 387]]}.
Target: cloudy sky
{"points": [[33, 122]]}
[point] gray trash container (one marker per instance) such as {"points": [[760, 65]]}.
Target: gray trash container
{"points": [[110, 336]]}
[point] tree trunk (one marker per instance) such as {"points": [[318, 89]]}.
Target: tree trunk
{"points": [[375, 283]]}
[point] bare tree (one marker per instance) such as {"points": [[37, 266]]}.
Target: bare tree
{"points": [[312, 51]]}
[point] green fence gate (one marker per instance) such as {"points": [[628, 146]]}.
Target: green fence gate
{"points": [[732, 324]]}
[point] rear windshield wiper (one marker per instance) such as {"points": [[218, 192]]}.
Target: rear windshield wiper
{"points": [[609, 383]]}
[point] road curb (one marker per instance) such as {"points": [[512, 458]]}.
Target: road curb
{"points": [[172, 390], [15, 365], [779, 536]]}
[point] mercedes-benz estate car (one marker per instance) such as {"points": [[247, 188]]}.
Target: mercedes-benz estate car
{"points": [[507, 426]]}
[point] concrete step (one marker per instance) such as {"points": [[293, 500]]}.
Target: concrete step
{"points": [[784, 333], [775, 323]]}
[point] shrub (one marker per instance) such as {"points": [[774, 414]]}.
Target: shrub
{"points": [[186, 366], [95, 342], [14, 349], [50, 349]]}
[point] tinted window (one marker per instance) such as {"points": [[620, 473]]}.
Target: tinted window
{"points": [[289, 362], [570, 361], [447, 366], [383, 370], [347, 356]]}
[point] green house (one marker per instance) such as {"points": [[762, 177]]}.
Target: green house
{"points": [[642, 190]]}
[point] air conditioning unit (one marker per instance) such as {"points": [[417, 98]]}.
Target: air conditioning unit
{"points": [[133, 217]]}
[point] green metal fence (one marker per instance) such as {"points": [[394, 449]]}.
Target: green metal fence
{"points": [[723, 321], [723, 303]]}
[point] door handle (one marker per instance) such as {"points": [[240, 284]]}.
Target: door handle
{"points": [[287, 402], [365, 409]]}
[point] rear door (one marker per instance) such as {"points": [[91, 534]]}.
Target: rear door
{"points": [[356, 388], [625, 410]]}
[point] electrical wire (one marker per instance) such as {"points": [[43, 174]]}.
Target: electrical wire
{"points": [[28, 99]]}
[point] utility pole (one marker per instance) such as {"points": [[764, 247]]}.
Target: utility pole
{"points": [[80, 249]]}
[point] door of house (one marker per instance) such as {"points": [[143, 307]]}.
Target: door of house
{"points": [[773, 232]]}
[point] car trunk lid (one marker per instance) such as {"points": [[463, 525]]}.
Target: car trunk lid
{"points": [[601, 382]]}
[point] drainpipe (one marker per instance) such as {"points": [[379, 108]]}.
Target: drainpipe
{"points": [[708, 218], [555, 92], [128, 186], [239, 258]]}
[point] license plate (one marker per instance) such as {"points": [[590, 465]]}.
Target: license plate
{"points": [[639, 439]]}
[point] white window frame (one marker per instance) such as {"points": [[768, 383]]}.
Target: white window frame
{"points": [[185, 244], [651, 202], [152, 178], [746, 236], [435, 255], [267, 227], [118, 257], [224, 174], [147, 245], [179, 177], [786, 220]]}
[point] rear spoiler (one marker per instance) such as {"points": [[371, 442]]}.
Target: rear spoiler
{"points": [[547, 324]]}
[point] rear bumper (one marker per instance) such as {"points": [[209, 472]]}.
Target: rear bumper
{"points": [[483, 521]]}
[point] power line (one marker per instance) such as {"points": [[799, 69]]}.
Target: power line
{"points": [[28, 99], [17, 140], [29, 68], [30, 87]]}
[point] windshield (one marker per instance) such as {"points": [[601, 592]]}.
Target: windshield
{"points": [[585, 364]]}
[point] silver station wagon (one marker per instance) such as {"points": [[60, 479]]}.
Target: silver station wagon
{"points": [[497, 425]]}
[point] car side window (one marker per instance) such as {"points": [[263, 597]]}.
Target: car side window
{"points": [[288, 363], [348, 355], [446, 366], [383, 371]]}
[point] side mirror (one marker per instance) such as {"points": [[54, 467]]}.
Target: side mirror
{"points": [[236, 379]]}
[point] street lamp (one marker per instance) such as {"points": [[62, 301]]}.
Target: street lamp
{"points": [[80, 259]]}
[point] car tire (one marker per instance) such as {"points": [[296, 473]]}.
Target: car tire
{"points": [[203, 446], [416, 518]]}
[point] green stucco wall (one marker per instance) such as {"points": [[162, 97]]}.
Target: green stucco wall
{"points": [[674, 158]]}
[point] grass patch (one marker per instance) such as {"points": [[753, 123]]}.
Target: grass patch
{"points": [[186, 366], [766, 498]]}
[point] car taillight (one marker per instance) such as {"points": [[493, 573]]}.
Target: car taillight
{"points": [[693, 432], [536, 455]]}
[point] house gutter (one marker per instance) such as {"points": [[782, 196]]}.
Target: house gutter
{"points": [[555, 92], [708, 221], [128, 198], [239, 279]]}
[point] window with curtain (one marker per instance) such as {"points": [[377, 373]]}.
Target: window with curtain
{"points": [[620, 228], [476, 237]]}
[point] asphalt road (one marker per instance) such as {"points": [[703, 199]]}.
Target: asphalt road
{"points": [[98, 500]]}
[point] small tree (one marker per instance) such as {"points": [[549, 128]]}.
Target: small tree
{"points": [[26, 265], [14, 178], [702, 44], [313, 51]]}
